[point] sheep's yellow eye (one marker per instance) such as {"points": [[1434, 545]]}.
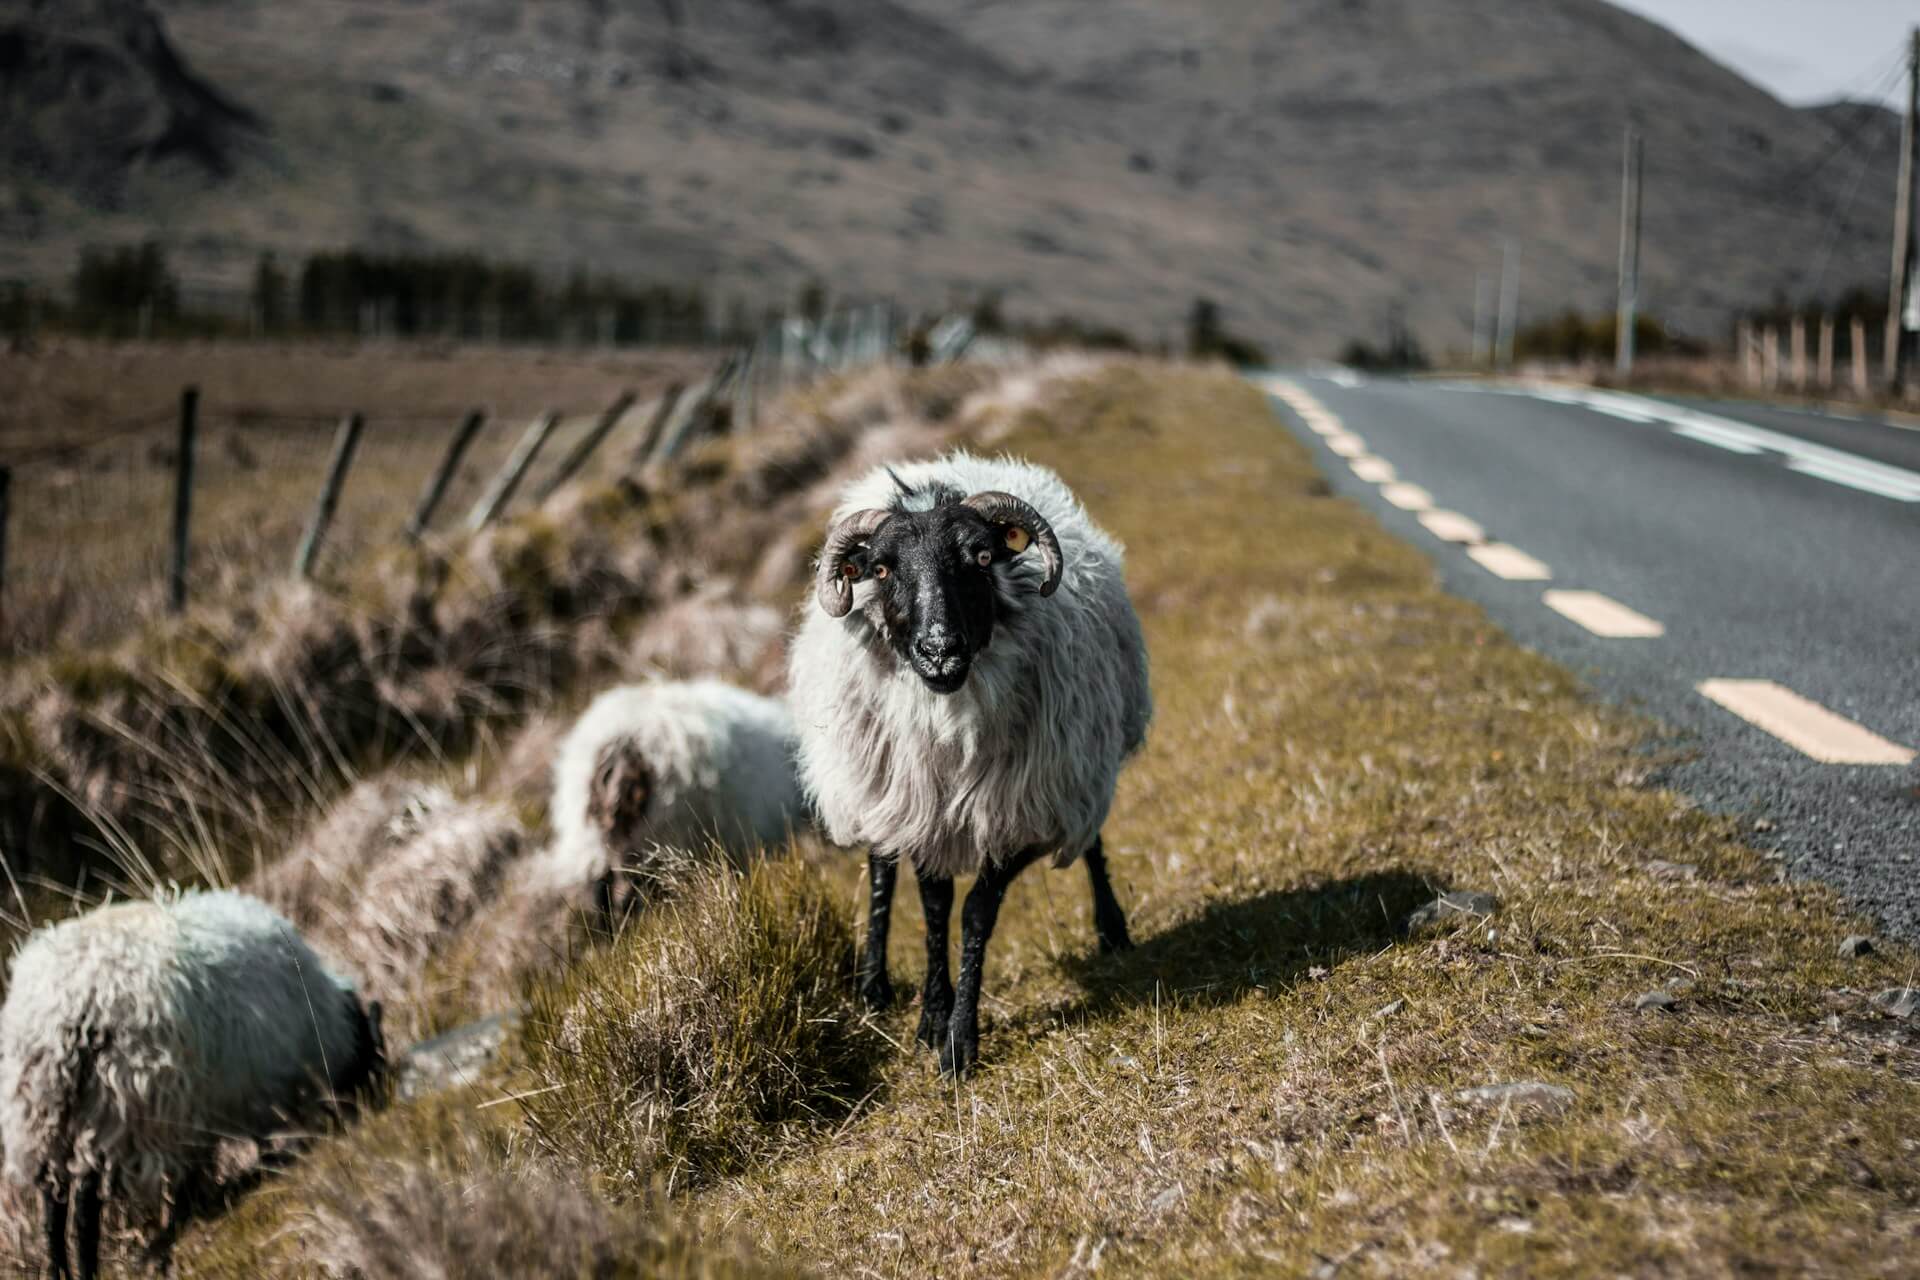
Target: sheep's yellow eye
{"points": [[879, 571], [985, 558], [849, 570], [1017, 538]]}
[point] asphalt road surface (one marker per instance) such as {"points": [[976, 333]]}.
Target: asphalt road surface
{"points": [[1749, 576]]}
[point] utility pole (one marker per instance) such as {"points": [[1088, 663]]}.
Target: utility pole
{"points": [[1630, 166], [1482, 314], [1903, 230], [1509, 302]]}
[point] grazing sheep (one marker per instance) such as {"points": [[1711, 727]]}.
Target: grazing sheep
{"points": [[675, 763], [965, 706], [134, 1038]]}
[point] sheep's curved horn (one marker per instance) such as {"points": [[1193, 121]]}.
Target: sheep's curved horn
{"points": [[834, 577], [1019, 518]]}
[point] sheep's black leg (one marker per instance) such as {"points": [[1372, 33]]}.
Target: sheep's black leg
{"points": [[86, 1226], [875, 988], [936, 997], [961, 1047], [53, 1213], [1109, 921]]}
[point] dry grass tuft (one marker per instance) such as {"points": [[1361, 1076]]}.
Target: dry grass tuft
{"points": [[400, 1220], [713, 1030]]}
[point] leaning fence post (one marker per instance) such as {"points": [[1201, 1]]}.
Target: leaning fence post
{"points": [[437, 487], [345, 441], [183, 498], [662, 413], [6, 486], [501, 491], [588, 443], [683, 425]]}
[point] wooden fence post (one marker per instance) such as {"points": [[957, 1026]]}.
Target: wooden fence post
{"points": [[682, 428], [1748, 353], [1797, 348], [6, 487], [183, 498], [588, 443], [1857, 331], [1825, 365], [443, 476], [501, 491], [650, 438], [1770, 356], [345, 441], [746, 404]]}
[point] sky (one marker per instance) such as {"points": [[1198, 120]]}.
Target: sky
{"points": [[1801, 50]]}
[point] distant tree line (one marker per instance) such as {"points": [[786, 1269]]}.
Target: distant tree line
{"points": [[1575, 337], [131, 291]]}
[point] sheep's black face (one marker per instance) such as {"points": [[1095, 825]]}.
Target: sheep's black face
{"points": [[932, 573]]}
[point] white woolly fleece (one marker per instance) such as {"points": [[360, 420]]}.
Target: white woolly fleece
{"points": [[135, 1036], [1027, 752], [722, 762]]}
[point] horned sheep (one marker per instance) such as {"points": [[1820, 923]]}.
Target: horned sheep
{"points": [[966, 694], [137, 1036]]}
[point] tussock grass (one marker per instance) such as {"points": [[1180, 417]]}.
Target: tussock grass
{"points": [[718, 1024], [443, 1186]]}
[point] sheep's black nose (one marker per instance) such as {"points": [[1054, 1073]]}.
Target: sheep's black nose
{"points": [[937, 644]]}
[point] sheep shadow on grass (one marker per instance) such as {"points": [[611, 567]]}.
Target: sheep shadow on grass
{"points": [[1271, 940]]}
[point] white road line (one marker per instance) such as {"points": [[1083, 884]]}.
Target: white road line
{"points": [[1324, 424], [1407, 497], [1603, 616], [1510, 563], [1820, 461], [1715, 437], [1451, 526], [1373, 470], [1347, 446], [1802, 724]]}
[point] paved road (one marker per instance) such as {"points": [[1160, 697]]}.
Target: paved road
{"points": [[1763, 565]]}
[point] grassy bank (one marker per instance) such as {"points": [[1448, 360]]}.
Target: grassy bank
{"points": [[1272, 1078], [1278, 1078]]}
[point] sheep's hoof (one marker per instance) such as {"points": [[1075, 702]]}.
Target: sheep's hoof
{"points": [[876, 992], [959, 1052], [934, 1018], [1113, 937]]}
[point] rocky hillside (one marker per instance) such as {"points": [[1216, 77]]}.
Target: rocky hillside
{"points": [[1310, 165]]}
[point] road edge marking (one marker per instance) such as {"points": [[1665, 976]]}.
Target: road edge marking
{"points": [[1603, 615], [1802, 723]]}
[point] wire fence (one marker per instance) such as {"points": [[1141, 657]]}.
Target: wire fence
{"points": [[87, 526]]}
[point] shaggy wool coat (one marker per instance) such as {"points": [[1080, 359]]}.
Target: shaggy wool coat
{"points": [[722, 766], [1027, 752], [135, 1036]]}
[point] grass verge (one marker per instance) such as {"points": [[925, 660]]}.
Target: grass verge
{"points": [[1275, 1080]]}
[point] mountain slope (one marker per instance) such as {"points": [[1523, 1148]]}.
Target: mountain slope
{"points": [[1310, 165]]}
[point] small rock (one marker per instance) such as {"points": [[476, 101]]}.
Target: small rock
{"points": [[1898, 1002], [1855, 945], [1532, 1095], [1653, 1002], [1763, 824], [1389, 1009], [1661, 869], [1451, 906]]}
